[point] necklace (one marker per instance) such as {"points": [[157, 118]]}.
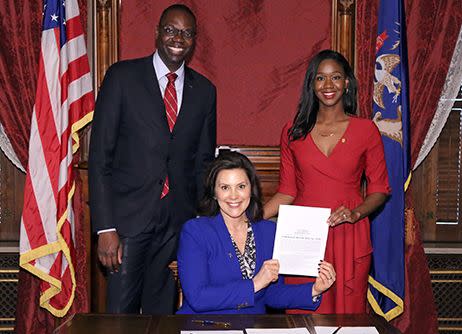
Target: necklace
{"points": [[327, 134], [327, 130]]}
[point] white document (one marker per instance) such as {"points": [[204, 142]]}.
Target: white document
{"points": [[277, 331], [224, 331], [345, 330], [301, 237]]}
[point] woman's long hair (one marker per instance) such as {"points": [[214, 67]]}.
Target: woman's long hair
{"points": [[308, 106], [208, 206]]}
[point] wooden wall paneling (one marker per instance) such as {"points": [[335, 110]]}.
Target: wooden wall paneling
{"points": [[448, 208], [95, 293], [11, 199], [448, 185], [266, 161], [423, 190]]}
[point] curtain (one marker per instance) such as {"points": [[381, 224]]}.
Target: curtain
{"points": [[20, 44], [433, 29], [7, 148], [431, 41], [446, 101], [366, 33], [20, 29]]}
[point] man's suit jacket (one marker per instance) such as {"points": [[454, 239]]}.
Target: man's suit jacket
{"points": [[132, 150], [211, 278]]}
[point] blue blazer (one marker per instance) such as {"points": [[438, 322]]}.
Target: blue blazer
{"points": [[211, 277]]}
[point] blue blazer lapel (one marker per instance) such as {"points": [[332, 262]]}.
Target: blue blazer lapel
{"points": [[228, 245], [259, 247]]}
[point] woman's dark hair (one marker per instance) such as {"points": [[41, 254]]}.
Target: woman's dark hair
{"points": [[208, 206], [308, 106]]}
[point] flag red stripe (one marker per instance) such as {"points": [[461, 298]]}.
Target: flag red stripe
{"points": [[76, 70], [47, 127], [55, 270], [74, 28], [60, 300], [35, 232], [86, 103]]}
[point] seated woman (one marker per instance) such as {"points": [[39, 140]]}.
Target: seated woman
{"points": [[224, 257]]}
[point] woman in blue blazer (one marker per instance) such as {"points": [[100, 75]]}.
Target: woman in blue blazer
{"points": [[224, 257]]}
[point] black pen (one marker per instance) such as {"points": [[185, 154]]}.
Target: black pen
{"points": [[336, 331], [211, 322]]}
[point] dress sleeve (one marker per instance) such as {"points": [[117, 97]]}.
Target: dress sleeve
{"points": [[376, 167], [200, 294], [287, 179]]}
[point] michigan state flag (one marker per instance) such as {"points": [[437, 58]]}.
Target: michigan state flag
{"points": [[391, 115]]}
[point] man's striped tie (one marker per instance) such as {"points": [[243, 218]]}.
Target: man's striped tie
{"points": [[171, 109]]}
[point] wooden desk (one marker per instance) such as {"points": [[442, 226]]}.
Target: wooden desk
{"points": [[134, 324]]}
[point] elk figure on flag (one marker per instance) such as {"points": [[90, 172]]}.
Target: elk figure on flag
{"points": [[63, 105], [391, 115]]}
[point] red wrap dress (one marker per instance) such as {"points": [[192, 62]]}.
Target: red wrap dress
{"points": [[315, 179]]}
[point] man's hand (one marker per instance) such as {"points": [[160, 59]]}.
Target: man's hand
{"points": [[110, 250]]}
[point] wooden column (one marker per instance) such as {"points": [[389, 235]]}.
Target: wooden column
{"points": [[105, 53], [105, 39], [343, 28]]}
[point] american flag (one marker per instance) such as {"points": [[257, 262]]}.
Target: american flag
{"points": [[63, 105]]}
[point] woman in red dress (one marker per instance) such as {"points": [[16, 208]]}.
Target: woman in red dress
{"points": [[325, 151]]}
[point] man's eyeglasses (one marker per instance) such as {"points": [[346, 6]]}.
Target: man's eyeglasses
{"points": [[172, 32]]}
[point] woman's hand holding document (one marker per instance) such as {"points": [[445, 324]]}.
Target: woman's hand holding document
{"points": [[301, 237]]}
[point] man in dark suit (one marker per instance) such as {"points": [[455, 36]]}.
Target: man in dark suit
{"points": [[153, 135]]}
